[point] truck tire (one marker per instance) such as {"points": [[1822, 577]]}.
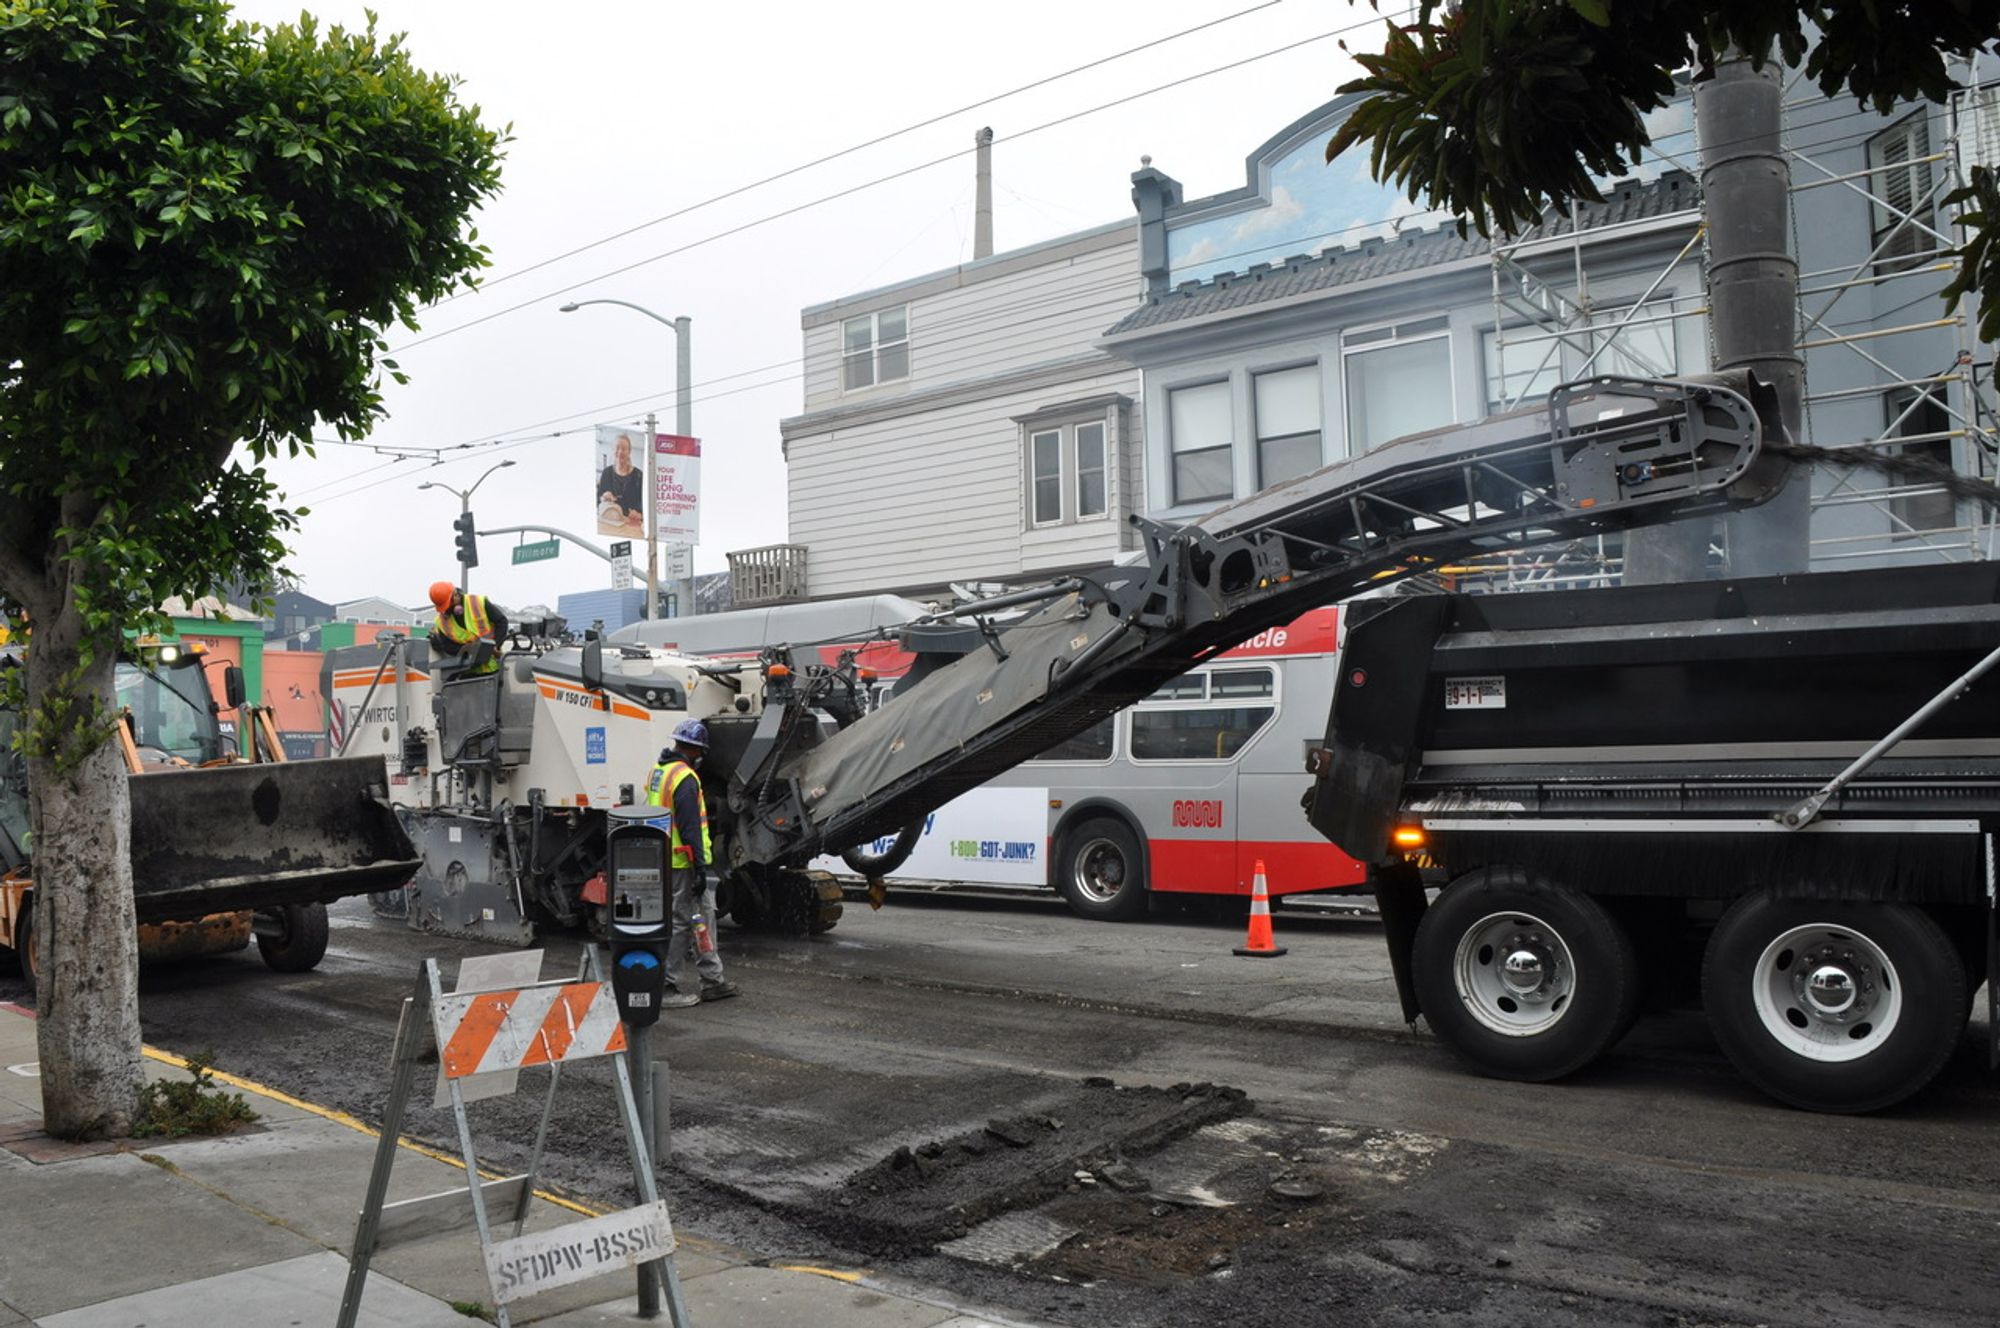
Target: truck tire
{"points": [[1102, 872], [1834, 1005], [1523, 978], [292, 939], [24, 936]]}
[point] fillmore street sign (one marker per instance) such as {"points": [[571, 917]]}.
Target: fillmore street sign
{"points": [[537, 551]]}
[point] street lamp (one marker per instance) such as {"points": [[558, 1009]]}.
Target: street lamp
{"points": [[683, 425], [465, 516]]}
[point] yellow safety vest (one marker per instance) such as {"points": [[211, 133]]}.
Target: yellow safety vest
{"points": [[471, 628], [660, 786]]}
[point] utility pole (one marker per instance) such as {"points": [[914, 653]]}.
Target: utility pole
{"points": [[684, 426], [1753, 299], [1753, 285], [652, 523]]}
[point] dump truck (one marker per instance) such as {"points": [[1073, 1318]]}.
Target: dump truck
{"points": [[224, 849], [506, 779], [1775, 798]]}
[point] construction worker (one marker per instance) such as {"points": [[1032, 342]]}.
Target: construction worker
{"points": [[463, 621], [674, 783]]}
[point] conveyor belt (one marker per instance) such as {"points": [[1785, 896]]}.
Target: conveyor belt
{"points": [[1603, 455]]}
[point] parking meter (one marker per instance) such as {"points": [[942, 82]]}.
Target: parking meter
{"points": [[638, 879]]}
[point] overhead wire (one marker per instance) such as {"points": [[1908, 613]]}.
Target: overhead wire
{"points": [[865, 185], [878, 140], [979, 321]]}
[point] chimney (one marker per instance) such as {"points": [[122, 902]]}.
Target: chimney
{"points": [[982, 207]]}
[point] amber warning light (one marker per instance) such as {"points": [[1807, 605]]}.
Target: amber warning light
{"points": [[1407, 836]]}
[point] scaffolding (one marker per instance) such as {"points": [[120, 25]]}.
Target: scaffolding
{"points": [[1549, 321]]}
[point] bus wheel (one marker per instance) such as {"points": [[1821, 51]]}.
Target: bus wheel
{"points": [[1524, 978], [1103, 871], [1834, 1005], [292, 939]]}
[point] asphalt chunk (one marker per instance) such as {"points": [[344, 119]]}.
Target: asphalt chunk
{"points": [[917, 1197]]}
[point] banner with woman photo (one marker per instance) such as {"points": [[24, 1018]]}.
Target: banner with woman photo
{"points": [[620, 495]]}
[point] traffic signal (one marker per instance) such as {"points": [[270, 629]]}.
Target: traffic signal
{"points": [[468, 548]]}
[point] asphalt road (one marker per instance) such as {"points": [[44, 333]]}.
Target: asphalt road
{"points": [[1653, 1189]]}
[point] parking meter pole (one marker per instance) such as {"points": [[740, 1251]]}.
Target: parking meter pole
{"points": [[662, 1121], [637, 880], [639, 1054]]}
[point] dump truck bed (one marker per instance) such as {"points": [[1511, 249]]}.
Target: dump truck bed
{"points": [[1538, 729]]}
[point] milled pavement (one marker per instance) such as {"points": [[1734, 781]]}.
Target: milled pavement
{"points": [[254, 1229]]}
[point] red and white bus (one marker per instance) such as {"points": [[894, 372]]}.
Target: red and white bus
{"points": [[1184, 792]]}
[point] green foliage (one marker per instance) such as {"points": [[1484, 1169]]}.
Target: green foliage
{"points": [[69, 724], [205, 227], [1979, 210], [176, 1108], [1502, 108], [1498, 110]]}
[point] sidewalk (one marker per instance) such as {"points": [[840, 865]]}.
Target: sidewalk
{"points": [[254, 1229]]}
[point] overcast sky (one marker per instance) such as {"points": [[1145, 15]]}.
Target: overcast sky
{"points": [[625, 112]]}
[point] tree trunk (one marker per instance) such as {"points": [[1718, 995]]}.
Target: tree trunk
{"points": [[85, 921]]}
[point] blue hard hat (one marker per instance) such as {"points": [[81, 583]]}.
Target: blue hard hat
{"points": [[692, 732]]}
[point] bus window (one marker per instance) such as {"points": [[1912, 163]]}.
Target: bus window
{"points": [[1187, 687], [1093, 744], [1240, 684], [1210, 733]]}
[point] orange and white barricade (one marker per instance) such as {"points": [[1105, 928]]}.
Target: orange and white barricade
{"points": [[486, 1032]]}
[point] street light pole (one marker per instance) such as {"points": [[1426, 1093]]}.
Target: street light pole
{"points": [[465, 510], [683, 425]]}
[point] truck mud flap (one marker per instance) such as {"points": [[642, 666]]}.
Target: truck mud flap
{"points": [[264, 836], [1400, 901]]}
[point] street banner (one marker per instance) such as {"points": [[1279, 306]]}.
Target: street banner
{"points": [[677, 488], [620, 494]]}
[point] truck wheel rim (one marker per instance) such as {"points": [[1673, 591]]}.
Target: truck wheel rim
{"points": [[1515, 974], [1827, 993], [1100, 870]]}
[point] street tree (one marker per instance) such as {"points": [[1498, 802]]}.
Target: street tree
{"points": [[1496, 110], [206, 227]]}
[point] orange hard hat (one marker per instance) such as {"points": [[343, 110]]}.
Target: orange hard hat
{"points": [[441, 593]]}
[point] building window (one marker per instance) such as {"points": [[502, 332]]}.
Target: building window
{"points": [[1287, 406], [1921, 417], [875, 348], [1522, 365], [1068, 473], [1092, 486], [1398, 382], [1045, 477], [1199, 433], [1206, 716], [1639, 349], [1902, 179]]}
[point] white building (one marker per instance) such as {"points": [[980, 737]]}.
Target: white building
{"points": [[965, 425]]}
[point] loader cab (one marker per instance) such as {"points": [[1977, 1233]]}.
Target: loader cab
{"points": [[165, 689]]}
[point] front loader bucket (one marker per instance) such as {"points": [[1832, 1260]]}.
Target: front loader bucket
{"points": [[264, 836]]}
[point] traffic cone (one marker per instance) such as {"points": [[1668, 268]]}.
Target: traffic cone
{"points": [[1260, 944]]}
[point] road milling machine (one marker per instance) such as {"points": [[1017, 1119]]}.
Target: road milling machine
{"points": [[505, 780], [226, 848]]}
